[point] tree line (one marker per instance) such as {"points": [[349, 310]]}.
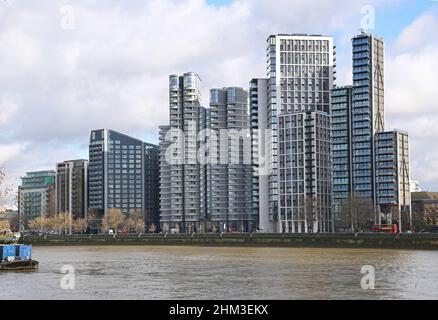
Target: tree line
{"points": [[115, 220]]}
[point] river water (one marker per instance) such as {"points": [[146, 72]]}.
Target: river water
{"points": [[224, 273]]}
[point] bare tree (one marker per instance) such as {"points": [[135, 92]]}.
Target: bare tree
{"points": [[357, 213], [5, 190], [4, 225], [94, 219], [152, 228], [61, 222], [345, 218], [14, 223], [38, 224], [79, 225], [113, 220], [50, 224], [166, 227], [135, 221], [394, 214]]}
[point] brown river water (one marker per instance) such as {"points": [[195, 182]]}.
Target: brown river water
{"points": [[223, 273]]}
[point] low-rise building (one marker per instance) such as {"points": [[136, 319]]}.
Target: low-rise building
{"points": [[425, 210]]}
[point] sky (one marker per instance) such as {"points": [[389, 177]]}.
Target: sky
{"points": [[67, 67]]}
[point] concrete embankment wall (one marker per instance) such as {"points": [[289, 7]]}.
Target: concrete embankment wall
{"points": [[383, 241]]}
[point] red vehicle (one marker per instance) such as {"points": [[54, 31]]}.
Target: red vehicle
{"points": [[385, 228]]}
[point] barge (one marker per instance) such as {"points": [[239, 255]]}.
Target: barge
{"points": [[17, 257]]}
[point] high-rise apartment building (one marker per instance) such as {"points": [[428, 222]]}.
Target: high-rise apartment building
{"points": [[36, 196], [342, 153], [229, 167], [368, 162], [393, 178], [72, 188], [368, 110], [166, 201], [305, 172], [203, 124], [183, 178], [123, 174], [300, 78], [151, 203], [260, 157]]}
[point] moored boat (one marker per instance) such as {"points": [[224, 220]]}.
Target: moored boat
{"points": [[19, 265], [17, 257]]}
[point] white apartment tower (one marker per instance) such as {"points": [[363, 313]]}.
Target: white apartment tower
{"points": [[182, 177], [229, 169], [300, 78]]}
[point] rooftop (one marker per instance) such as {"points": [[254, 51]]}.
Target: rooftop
{"points": [[298, 35], [424, 195]]}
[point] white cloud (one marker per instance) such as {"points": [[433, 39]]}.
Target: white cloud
{"points": [[412, 79], [411, 95], [112, 69], [418, 34], [8, 109], [10, 151]]}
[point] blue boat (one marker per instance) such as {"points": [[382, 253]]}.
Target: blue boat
{"points": [[17, 257]]}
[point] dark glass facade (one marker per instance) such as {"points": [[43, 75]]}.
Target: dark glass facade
{"points": [[123, 174], [341, 123], [368, 110]]}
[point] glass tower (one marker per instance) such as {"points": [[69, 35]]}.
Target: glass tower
{"points": [[369, 162], [368, 110], [341, 123], [123, 172]]}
